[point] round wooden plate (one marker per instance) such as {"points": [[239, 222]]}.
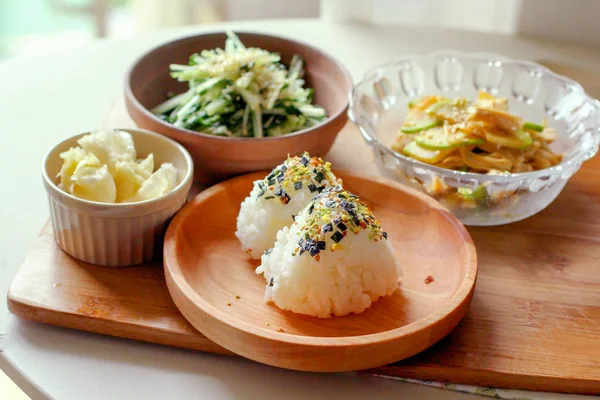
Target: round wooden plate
{"points": [[214, 285]]}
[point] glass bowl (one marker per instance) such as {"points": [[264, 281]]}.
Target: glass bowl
{"points": [[379, 103]]}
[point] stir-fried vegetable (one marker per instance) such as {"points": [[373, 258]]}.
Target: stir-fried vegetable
{"points": [[475, 136], [242, 92]]}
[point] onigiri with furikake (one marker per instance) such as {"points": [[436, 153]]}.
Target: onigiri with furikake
{"points": [[335, 259], [275, 200]]}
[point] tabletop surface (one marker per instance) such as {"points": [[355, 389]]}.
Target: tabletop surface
{"points": [[48, 98]]}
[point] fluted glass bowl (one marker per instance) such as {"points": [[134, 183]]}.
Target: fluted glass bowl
{"points": [[379, 104]]}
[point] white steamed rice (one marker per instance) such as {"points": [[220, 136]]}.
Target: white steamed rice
{"points": [[361, 268], [264, 212]]}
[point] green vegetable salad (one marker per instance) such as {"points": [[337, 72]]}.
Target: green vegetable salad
{"points": [[241, 92]]}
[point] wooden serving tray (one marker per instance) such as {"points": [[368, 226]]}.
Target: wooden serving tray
{"points": [[534, 322]]}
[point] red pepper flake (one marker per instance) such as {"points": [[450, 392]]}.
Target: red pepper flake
{"points": [[318, 257], [237, 296], [229, 304], [363, 224], [429, 279], [279, 329]]}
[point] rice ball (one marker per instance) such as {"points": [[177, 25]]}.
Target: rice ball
{"points": [[275, 200], [335, 259]]}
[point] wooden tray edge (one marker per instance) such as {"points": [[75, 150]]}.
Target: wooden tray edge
{"points": [[22, 309], [508, 381]]}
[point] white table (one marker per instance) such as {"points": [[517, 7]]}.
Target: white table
{"points": [[46, 99]]}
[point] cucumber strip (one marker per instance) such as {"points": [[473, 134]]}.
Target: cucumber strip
{"points": [[188, 107], [172, 103], [252, 99], [436, 139], [207, 84], [520, 140], [533, 126], [312, 111], [477, 194], [179, 67], [257, 124], [427, 156], [215, 107], [269, 121], [421, 126], [245, 120], [296, 64], [275, 111], [436, 106]]}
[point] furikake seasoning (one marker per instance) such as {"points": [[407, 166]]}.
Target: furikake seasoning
{"points": [[332, 214], [294, 174]]}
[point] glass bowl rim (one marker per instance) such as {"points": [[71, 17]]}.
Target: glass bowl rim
{"points": [[573, 162]]}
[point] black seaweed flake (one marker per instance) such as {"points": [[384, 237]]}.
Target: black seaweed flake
{"points": [[269, 197], [271, 175], [313, 247], [330, 203], [384, 234], [337, 236], [327, 228], [298, 185], [311, 208], [271, 281], [304, 161], [268, 251], [280, 178], [271, 181], [341, 226], [319, 177], [320, 189], [283, 168], [312, 188], [262, 188], [283, 196], [347, 206], [294, 217]]}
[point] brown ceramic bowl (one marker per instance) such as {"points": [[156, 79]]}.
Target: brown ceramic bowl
{"points": [[216, 157]]}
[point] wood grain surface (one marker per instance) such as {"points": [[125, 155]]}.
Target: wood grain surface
{"points": [[213, 283], [534, 321]]}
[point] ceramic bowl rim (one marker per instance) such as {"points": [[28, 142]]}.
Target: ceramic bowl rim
{"points": [[147, 114], [79, 203]]}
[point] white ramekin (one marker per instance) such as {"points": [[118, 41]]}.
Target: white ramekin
{"points": [[123, 234]]}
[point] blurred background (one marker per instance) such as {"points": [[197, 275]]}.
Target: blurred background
{"points": [[44, 26]]}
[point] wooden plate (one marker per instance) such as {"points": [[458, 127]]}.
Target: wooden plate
{"points": [[214, 286]]}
